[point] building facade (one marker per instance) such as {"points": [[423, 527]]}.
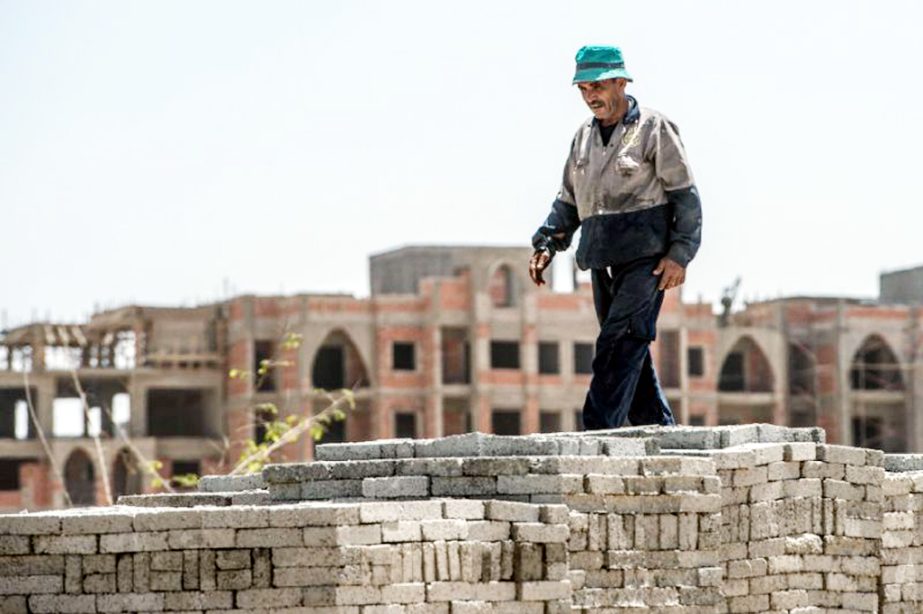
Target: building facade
{"points": [[451, 339]]}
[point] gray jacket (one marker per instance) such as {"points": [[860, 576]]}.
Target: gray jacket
{"points": [[634, 197]]}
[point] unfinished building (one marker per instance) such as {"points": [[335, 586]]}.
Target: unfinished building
{"points": [[451, 340]]}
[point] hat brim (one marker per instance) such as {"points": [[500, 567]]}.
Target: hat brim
{"points": [[599, 74]]}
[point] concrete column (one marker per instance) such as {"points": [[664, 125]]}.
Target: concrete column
{"points": [[137, 424], [434, 409], [566, 358], [683, 418], [844, 406], [38, 353], [479, 335], [529, 358], [46, 389], [780, 384], [915, 404]]}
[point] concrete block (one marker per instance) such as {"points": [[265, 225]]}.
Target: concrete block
{"points": [[899, 463], [403, 510], [259, 598], [539, 533], [433, 467], [201, 538], [466, 509], [65, 544], [267, 538], [331, 489], [496, 445], [14, 544], [164, 519], [199, 600], [347, 451], [399, 487], [62, 604], [401, 531], [358, 470], [90, 523], [468, 486], [492, 466], [29, 585], [186, 499], [469, 444], [844, 455], [130, 602], [539, 484], [236, 517], [231, 483], [511, 511], [444, 529]]}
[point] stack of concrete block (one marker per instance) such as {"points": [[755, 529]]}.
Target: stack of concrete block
{"points": [[752, 518], [423, 557], [902, 535], [645, 534], [643, 529], [801, 525]]}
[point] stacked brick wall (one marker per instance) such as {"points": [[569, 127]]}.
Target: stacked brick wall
{"points": [[421, 557], [800, 527], [677, 520], [643, 531], [902, 536]]}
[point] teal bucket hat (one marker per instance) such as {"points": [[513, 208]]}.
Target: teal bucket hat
{"points": [[596, 63]]}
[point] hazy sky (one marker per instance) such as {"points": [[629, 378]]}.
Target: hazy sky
{"points": [[150, 150]]}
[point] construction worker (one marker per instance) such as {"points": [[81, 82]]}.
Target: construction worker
{"points": [[627, 184]]}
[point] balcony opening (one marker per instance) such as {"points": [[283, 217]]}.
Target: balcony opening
{"points": [[504, 354], [548, 357], [456, 356], [176, 412], [506, 422]]}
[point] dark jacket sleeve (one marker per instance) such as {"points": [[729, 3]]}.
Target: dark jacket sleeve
{"points": [[686, 230], [556, 233]]}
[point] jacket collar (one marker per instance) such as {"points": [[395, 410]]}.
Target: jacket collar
{"points": [[631, 115]]}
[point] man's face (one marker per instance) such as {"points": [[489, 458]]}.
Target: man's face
{"points": [[604, 98]]}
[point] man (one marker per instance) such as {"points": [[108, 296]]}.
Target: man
{"points": [[628, 184]]}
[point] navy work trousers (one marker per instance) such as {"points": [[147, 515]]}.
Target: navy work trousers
{"points": [[624, 383]]}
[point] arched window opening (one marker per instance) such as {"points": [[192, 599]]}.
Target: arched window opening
{"points": [[337, 364], [502, 287], [126, 474], [800, 370], [746, 369], [875, 367], [80, 478]]}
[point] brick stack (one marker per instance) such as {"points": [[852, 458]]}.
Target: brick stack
{"points": [[643, 530], [752, 518], [800, 527], [902, 535], [424, 557], [645, 534]]}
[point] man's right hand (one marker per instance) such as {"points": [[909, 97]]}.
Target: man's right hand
{"points": [[537, 264]]}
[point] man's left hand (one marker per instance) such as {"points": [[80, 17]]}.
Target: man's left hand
{"points": [[672, 273]]}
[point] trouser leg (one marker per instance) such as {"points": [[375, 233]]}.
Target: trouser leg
{"points": [[633, 302], [602, 293], [650, 405], [616, 370]]}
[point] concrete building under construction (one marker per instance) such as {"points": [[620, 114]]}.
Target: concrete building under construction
{"points": [[451, 339]]}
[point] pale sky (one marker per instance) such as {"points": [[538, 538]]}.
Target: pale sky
{"points": [[151, 150]]}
